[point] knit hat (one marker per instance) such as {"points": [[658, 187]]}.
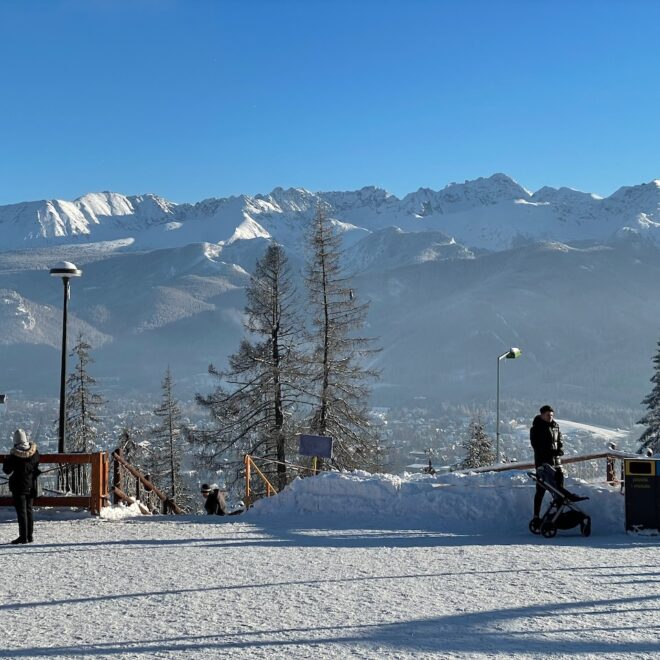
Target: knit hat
{"points": [[20, 440], [545, 409], [205, 489]]}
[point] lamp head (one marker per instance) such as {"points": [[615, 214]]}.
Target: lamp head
{"points": [[65, 269], [513, 353]]}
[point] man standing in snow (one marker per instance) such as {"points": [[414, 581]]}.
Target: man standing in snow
{"points": [[22, 465], [215, 500], [546, 440]]}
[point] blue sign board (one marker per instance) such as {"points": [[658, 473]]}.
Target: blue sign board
{"points": [[315, 445]]}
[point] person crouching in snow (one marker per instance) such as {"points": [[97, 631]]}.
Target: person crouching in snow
{"points": [[22, 464], [215, 501]]}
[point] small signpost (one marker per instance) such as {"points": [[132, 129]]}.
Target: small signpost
{"points": [[316, 446]]}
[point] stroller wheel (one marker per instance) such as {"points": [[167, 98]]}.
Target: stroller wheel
{"points": [[585, 527], [548, 530], [535, 525]]}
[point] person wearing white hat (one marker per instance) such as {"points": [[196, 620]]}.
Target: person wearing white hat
{"points": [[22, 466], [214, 500]]}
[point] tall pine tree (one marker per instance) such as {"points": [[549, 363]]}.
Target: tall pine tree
{"points": [[82, 402], [650, 438], [253, 408], [167, 446], [340, 377]]}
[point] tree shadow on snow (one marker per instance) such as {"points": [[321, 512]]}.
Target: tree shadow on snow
{"points": [[315, 582], [556, 628], [335, 532]]}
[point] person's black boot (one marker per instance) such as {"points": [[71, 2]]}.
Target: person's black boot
{"points": [[18, 541], [30, 539]]}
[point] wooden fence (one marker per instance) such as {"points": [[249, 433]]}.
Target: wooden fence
{"points": [[82, 480], [77, 480]]}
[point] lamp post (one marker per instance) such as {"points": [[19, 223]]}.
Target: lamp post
{"points": [[511, 354], [66, 270]]}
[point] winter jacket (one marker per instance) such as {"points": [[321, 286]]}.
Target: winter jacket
{"points": [[23, 468], [547, 442], [215, 503]]}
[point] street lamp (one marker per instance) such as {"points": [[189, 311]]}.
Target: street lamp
{"points": [[511, 354], [66, 270]]}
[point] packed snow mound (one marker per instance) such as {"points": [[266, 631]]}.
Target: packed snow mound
{"points": [[121, 512], [457, 502]]}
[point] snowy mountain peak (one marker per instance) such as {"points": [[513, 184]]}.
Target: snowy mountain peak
{"points": [[458, 197], [492, 189], [563, 195], [290, 199], [369, 197]]}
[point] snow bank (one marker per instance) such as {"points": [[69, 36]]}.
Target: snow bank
{"points": [[461, 503], [120, 512]]}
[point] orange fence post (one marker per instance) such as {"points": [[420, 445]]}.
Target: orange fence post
{"points": [[99, 483]]}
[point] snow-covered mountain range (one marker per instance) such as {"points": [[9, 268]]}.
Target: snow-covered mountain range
{"points": [[454, 276], [490, 213]]}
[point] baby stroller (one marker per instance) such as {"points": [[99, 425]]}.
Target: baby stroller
{"points": [[562, 513]]}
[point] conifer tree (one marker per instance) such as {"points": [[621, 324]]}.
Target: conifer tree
{"points": [[166, 451], [253, 407], [650, 438], [82, 402], [478, 447], [339, 376]]}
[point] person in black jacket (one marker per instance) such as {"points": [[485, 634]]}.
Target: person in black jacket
{"points": [[22, 464], [215, 501], [546, 440]]}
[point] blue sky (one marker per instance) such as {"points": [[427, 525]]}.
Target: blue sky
{"points": [[195, 98]]}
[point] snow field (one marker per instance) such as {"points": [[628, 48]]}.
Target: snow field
{"points": [[352, 578]]}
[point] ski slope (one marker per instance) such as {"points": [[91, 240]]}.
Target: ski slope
{"points": [[598, 432], [287, 581]]}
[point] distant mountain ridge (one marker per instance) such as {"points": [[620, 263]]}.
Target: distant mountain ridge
{"points": [[491, 213], [454, 277]]}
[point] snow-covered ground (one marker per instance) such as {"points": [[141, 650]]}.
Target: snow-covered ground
{"points": [[336, 566], [598, 432]]}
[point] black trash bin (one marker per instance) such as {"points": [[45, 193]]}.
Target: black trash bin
{"points": [[642, 488]]}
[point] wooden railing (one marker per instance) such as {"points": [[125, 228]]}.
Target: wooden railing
{"points": [[127, 479], [610, 468], [82, 480], [71, 488]]}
